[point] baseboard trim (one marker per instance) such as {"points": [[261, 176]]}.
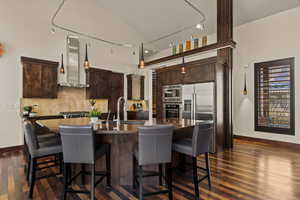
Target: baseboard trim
{"points": [[273, 142], [14, 148]]}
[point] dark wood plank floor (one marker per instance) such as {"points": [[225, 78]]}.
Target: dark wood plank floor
{"points": [[252, 170]]}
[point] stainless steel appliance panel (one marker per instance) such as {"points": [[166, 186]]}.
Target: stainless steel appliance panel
{"points": [[172, 93], [198, 104]]}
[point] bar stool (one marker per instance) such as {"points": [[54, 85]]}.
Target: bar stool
{"points": [[78, 144], [154, 148], [43, 140], [38, 151], [199, 144]]}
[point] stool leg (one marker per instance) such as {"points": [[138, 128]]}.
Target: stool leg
{"points": [[208, 169], [133, 172], [32, 176], [160, 174], [108, 169], [65, 171], [60, 163], [141, 196], [169, 179], [28, 167], [83, 171], [195, 177], [92, 181]]}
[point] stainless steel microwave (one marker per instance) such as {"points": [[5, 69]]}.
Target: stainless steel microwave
{"points": [[172, 93]]}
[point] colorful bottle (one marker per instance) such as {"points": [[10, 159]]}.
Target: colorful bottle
{"points": [[196, 43], [180, 48], [188, 45], [174, 49], [204, 40]]}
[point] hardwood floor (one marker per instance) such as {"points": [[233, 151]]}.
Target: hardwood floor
{"points": [[252, 170]]}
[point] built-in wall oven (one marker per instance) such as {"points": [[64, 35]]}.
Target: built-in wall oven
{"points": [[172, 101], [172, 110]]}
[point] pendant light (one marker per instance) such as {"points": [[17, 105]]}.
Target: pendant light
{"points": [[62, 69], [245, 92], [183, 66], [86, 60], [142, 59]]}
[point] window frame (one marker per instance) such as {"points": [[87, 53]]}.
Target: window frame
{"points": [[285, 131]]}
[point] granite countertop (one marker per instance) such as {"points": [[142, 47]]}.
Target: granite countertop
{"points": [[112, 128]]}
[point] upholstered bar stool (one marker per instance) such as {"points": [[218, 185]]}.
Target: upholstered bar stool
{"points": [[38, 151], [197, 145], [154, 148], [78, 143], [43, 140]]}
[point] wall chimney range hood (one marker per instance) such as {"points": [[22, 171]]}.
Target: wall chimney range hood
{"points": [[75, 75]]}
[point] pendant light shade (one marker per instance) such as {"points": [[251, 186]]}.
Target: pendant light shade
{"points": [[245, 92], [86, 60], [142, 59], [62, 68], [183, 66]]}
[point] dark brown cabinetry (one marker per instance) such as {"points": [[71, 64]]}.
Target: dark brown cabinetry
{"points": [[135, 87], [197, 74], [105, 84], [39, 78], [100, 84], [116, 91], [138, 115]]}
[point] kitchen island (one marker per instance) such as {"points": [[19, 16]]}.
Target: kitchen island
{"points": [[122, 139]]}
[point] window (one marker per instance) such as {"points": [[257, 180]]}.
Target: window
{"points": [[274, 96]]}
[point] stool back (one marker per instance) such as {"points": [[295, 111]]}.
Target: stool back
{"points": [[30, 137], [78, 144], [201, 138], [155, 144]]}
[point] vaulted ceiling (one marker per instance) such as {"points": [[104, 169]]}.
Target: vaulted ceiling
{"points": [[156, 18]]}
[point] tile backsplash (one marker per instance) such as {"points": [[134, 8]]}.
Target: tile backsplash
{"points": [[68, 100]]}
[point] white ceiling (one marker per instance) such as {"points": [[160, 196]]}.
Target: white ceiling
{"points": [[156, 18]]}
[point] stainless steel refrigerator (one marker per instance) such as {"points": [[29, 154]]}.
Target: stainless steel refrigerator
{"points": [[198, 104]]}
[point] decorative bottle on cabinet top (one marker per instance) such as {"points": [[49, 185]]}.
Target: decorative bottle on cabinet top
{"points": [[188, 45]]}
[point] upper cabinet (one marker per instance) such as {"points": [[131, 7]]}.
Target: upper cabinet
{"points": [[116, 90], [199, 73], [135, 87], [39, 78], [100, 84], [104, 84]]}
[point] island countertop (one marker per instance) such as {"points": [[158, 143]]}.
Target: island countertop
{"points": [[126, 127]]}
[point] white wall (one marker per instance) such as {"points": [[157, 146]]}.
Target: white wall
{"points": [[271, 38], [25, 31]]}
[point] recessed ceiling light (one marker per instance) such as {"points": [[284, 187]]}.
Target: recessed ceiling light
{"points": [[200, 26], [146, 51]]}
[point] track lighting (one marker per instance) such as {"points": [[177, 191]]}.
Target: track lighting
{"points": [[200, 27], [53, 30]]}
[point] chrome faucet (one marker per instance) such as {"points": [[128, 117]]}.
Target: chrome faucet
{"points": [[118, 108]]}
